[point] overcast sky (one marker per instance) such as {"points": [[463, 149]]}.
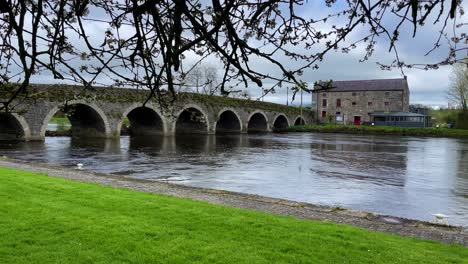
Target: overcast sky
{"points": [[426, 87]]}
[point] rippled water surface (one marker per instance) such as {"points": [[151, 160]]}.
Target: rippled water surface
{"points": [[401, 176]]}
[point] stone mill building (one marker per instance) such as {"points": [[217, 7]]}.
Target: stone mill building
{"points": [[353, 102]]}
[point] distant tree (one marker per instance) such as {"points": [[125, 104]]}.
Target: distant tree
{"points": [[203, 79], [211, 78], [143, 44], [194, 79], [458, 89], [420, 109]]}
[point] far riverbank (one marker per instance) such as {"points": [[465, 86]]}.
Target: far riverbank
{"points": [[382, 130]]}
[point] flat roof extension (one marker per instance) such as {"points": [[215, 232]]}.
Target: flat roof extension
{"points": [[395, 113]]}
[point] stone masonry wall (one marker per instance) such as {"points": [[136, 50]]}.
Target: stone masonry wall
{"points": [[359, 103]]}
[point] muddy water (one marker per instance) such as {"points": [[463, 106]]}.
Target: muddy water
{"points": [[401, 176]]}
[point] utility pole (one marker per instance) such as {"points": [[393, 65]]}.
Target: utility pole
{"points": [[287, 95], [301, 102], [311, 100]]}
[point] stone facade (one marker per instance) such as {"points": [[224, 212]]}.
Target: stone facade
{"points": [[354, 100], [100, 113]]}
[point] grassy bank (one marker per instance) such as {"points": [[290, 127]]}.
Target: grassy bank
{"points": [[44, 220], [382, 130], [66, 121], [59, 121]]}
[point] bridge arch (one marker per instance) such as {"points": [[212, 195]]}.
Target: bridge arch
{"points": [[299, 121], [87, 119], [228, 121], [280, 122], [13, 127], [257, 122], [191, 120], [144, 120]]}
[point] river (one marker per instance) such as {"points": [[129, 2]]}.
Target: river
{"points": [[401, 176]]}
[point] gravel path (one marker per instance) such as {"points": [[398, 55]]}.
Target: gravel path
{"points": [[387, 224]]}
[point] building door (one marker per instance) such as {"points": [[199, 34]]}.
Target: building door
{"points": [[357, 120]]}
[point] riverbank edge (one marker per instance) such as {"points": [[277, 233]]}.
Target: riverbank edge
{"points": [[366, 220], [383, 131]]}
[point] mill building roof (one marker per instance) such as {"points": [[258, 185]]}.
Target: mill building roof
{"points": [[362, 85]]}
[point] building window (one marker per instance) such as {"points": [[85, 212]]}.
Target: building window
{"points": [[354, 94], [324, 114], [387, 103], [338, 102], [338, 113], [324, 95], [324, 102], [369, 103], [387, 93], [353, 103]]}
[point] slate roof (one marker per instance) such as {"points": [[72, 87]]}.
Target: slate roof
{"points": [[365, 85]]}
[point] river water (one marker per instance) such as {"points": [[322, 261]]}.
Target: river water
{"points": [[401, 176]]}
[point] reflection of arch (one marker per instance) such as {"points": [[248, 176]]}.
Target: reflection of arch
{"points": [[191, 144], [144, 120], [149, 145], [258, 122], [228, 122], [86, 119], [191, 120], [299, 121], [280, 122], [13, 127]]}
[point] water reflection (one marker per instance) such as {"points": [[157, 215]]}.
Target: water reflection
{"points": [[368, 160], [150, 144], [408, 177], [190, 144], [95, 145], [461, 180]]}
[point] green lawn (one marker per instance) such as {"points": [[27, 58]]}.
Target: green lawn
{"points": [[382, 130], [49, 220]]}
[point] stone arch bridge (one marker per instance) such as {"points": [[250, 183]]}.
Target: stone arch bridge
{"points": [[100, 112]]}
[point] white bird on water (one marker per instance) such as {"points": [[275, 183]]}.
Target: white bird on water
{"points": [[440, 218], [79, 166]]}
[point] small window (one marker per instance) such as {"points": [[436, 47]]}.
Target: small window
{"points": [[387, 103], [324, 102], [353, 103], [324, 114], [324, 95], [387, 93], [354, 94], [369, 103], [338, 102], [338, 113]]}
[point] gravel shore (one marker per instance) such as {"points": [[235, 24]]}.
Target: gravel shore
{"points": [[375, 222]]}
